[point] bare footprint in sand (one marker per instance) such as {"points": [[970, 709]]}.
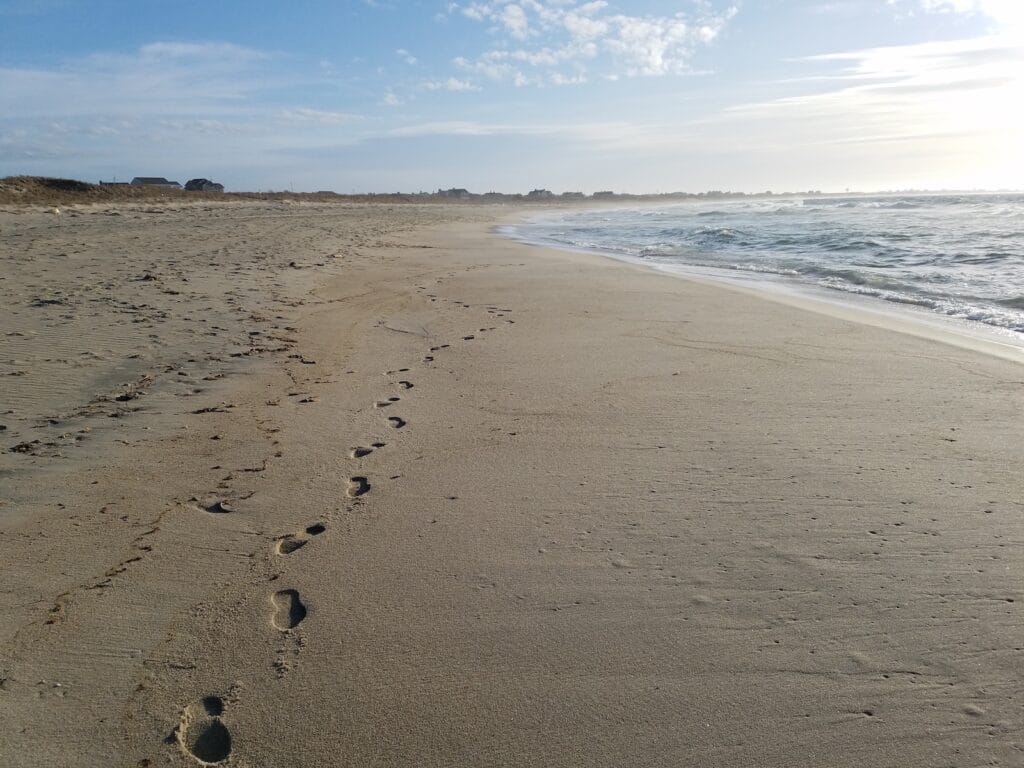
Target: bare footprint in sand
{"points": [[361, 450], [396, 422], [293, 541], [289, 610], [357, 486], [202, 734]]}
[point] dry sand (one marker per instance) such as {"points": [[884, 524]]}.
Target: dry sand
{"points": [[312, 485]]}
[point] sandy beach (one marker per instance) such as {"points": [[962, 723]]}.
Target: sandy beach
{"points": [[293, 484]]}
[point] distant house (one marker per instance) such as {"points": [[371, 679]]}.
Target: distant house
{"points": [[203, 185], [604, 195], [461, 194], [154, 181], [573, 196], [542, 194]]}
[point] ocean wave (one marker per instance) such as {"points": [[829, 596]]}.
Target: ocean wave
{"points": [[958, 255], [1013, 302]]}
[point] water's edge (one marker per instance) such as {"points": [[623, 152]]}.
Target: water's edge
{"points": [[905, 318]]}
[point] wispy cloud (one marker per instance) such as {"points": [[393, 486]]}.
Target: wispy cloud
{"points": [[593, 133], [451, 84], [200, 102], [158, 78], [562, 41], [926, 112], [1008, 15], [321, 117]]}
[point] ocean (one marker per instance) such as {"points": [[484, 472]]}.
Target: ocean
{"points": [[959, 257]]}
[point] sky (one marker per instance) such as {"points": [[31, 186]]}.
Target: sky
{"points": [[511, 95]]}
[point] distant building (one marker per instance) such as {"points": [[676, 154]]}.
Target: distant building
{"points": [[604, 195], [542, 194], [154, 181], [203, 185], [457, 192], [114, 184], [573, 196]]}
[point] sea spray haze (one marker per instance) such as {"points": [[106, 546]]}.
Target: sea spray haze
{"points": [[958, 255]]}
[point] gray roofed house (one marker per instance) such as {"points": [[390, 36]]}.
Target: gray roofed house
{"points": [[154, 181], [203, 185]]}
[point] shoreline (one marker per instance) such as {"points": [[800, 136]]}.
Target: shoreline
{"points": [[907, 318], [502, 505]]}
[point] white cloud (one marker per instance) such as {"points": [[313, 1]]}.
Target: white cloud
{"points": [[451, 84], [405, 56], [569, 38], [189, 104], [932, 108], [158, 78], [557, 78], [450, 128], [582, 27], [305, 115], [515, 21], [602, 134], [1008, 15], [651, 46]]}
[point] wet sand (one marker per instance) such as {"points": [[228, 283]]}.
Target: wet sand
{"points": [[304, 485]]}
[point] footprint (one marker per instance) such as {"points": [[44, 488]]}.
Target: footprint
{"points": [[293, 541], [405, 384], [396, 422], [386, 403], [468, 338], [361, 450], [202, 734], [219, 508], [357, 486], [289, 544], [289, 609]]}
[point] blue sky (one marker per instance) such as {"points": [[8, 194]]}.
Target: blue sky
{"points": [[509, 95]]}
